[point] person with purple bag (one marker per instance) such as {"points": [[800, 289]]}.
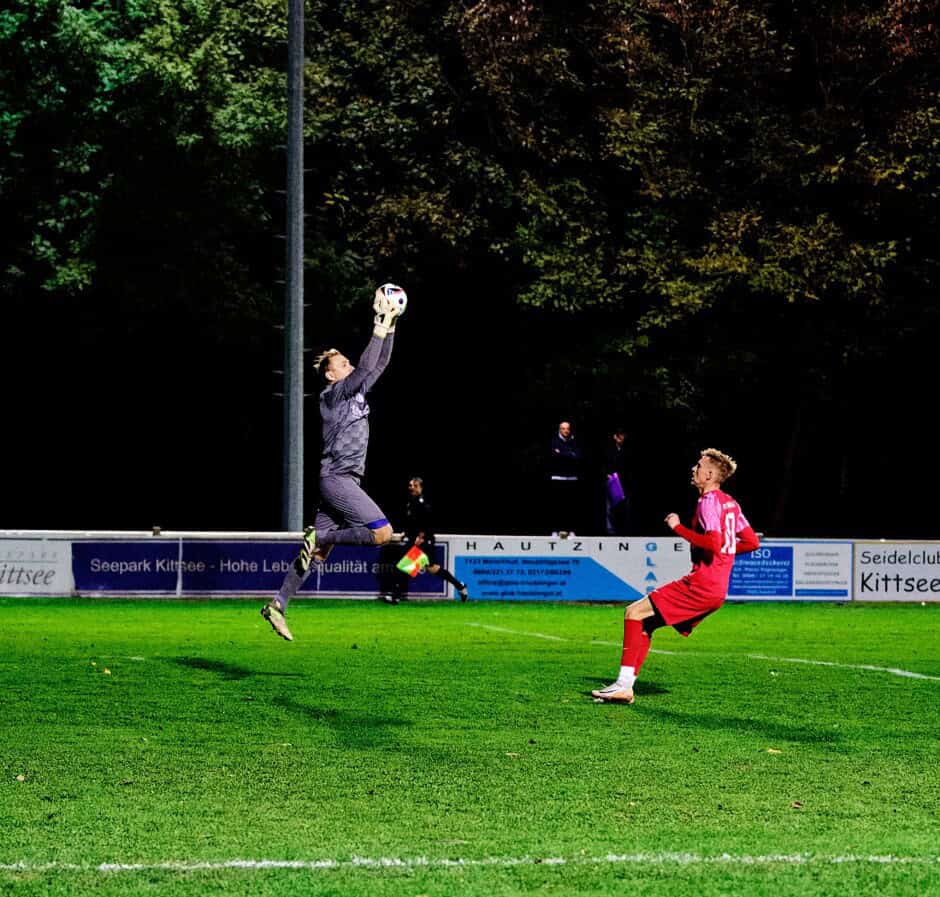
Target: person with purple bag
{"points": [[616, 486]]}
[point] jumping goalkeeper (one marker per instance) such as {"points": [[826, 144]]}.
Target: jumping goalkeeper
{"points": [[346, 515]]}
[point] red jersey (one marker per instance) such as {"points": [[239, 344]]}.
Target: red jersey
{"points": [[715, 532]]}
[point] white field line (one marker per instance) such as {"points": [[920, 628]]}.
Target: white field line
{"points": [[381, 863], [865, 667], [894, 671], [553, 638], [652, 650]]}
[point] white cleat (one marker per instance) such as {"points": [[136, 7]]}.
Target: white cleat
{"points": [[614, 694], [275, 616]]}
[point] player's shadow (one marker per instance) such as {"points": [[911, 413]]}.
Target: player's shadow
{"points": [[352, 729], [768, 729], [228, 671], [643, 687]]}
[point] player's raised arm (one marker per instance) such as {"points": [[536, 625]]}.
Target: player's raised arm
{"points": [[388, 304], [364, 369], [747, 540], [710, 541]]}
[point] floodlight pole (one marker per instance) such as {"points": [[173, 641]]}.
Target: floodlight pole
{"points": [[293, 503]]}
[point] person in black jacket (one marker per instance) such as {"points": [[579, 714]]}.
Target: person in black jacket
{"points": [[564, 471], [419, 532]]}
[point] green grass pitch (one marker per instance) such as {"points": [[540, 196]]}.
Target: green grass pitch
{"points": [[445, 749]]}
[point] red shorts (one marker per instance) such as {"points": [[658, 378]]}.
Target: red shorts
{"points": [[683, 604]]}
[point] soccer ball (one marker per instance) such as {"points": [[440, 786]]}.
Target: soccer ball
{"points": [[395, 297]]}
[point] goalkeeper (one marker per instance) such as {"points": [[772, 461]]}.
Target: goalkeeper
{"points": [[346, 515]]}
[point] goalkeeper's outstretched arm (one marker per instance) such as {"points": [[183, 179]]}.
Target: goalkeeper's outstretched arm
{"points": [[386, 317], [385, 352], [377, 353]]}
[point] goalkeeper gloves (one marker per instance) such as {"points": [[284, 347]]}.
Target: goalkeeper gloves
{"points": [[386, 314]]}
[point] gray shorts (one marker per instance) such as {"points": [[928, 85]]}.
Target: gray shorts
{"points": [[344, 503]]}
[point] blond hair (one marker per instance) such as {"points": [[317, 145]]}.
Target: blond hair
{"points": [[322, 361], [725, 463]]}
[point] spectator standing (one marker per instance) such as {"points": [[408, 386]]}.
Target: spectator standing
{"points": [[564, 470], [617, 489]]}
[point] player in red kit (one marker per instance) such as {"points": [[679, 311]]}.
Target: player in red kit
{"points": [[719, 532]]}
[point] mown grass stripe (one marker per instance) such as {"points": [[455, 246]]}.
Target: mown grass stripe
{"points": [[382, 863]]}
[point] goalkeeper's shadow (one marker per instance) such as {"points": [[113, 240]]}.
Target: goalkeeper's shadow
{"points": [[228, 671], [354, 729]]}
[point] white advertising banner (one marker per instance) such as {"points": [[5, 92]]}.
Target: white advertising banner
{"points": [[529, 568], [35, 567], [897, 571]]}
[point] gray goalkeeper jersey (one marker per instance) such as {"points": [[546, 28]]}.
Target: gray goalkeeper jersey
{"points": [[345, 412]]}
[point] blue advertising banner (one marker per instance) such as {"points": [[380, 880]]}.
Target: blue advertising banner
{"points": [[350, 570], [765, 573], [236, 566], [112, 566], [205, 567]]}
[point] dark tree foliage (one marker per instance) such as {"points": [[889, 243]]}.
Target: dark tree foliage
{"points": [[713, 222]]}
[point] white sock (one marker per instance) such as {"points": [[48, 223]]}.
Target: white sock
{"points": [[627, 677]]}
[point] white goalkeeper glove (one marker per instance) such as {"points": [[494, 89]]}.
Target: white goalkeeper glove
{"points": [[386, 313]]}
